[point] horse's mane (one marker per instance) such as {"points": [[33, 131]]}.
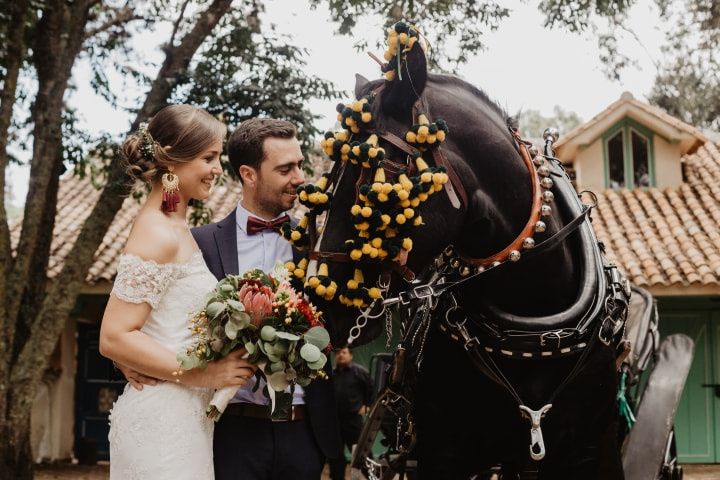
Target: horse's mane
{"points": [[459, 82]]}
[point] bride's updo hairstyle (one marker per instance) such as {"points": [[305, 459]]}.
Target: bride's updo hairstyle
{"points": [[176, 134]]}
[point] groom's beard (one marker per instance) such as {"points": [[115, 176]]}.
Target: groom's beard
{"points": [[274, 203]]}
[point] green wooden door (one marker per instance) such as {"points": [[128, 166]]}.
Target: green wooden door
{"points": [[697, 421]]}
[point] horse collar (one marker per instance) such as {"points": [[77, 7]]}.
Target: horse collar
{"points": [[542, 197]]}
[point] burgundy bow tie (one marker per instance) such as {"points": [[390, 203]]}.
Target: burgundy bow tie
{"points": [[257, 225]]}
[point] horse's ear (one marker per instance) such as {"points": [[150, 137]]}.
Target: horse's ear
{"points": [[361, 84], [408, 85]]}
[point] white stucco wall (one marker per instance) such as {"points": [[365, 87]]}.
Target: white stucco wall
{"points": [[53, 414]]}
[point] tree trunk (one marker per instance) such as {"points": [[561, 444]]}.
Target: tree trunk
{"points": [[16, 462], [62, 292]]}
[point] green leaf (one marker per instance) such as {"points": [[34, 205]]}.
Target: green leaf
{"points": [[231, 329], [241, 318], [278, 381], [317, 336], [268, 333], [310, 353], [280, 347], [235, 305], [215, 309], [277, 367], [287, 336], [319, 364], [250, 347]]}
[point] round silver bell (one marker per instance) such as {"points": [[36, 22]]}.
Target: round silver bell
{"points": [[546, 183], [533, 150], [540, 226], [479, 269], [528, 243], [454, 263], [548, 196], [545, 211], [539, 161], [514, 256], [543, 171], [448, 251], [464, 271], [495, 263], [551, 132]]}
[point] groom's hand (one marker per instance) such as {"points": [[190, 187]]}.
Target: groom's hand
{"points": [[136, 379]]}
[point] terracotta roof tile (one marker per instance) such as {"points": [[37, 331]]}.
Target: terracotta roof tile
{"points": [[667, 237], [76, 199]]}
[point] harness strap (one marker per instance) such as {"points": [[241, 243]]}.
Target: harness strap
{"points": [[424, 291], [455, 181], [339, 257], [529, 228], [440, 161]]}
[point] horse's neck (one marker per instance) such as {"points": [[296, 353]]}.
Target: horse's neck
{"points": [[544, 285]]}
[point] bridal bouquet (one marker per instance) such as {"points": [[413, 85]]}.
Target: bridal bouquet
{"points": [[278, 327]]}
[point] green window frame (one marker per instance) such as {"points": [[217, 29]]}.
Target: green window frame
{"points": [[626, 127]]}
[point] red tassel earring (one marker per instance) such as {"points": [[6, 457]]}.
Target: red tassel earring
{"points": [[170, 197]]}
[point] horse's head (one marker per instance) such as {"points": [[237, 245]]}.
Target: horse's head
{"points": [[485, 163]]}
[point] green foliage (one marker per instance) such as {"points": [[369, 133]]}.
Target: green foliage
{"points": [[687, 84], [457, 27], [580, 15], [532, 123], [243, 74]]}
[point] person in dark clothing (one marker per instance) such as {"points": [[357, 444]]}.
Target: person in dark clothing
{"points": [[353, 393]]}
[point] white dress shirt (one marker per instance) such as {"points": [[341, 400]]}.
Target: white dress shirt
{"points": [[262, 250]]}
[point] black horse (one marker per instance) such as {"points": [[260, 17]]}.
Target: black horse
{"points": [[466, 422]]}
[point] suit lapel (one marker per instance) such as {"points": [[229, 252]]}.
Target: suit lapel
{"points": [[226, 241]]}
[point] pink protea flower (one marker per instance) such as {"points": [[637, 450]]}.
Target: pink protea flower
{"points": [[257, 302]]}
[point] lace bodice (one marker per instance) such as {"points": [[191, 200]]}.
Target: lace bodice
{"points": [[174, 291], [161, 432]]}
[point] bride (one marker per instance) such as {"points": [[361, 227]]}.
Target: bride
{"points": [[161, 431]]}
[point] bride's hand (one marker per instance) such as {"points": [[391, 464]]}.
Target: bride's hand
{"points": [[232, 370]]}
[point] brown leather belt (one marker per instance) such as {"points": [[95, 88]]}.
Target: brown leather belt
{"points": [[296, 413]]}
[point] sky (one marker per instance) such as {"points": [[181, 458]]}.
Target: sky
{"points": [[525, 66]]}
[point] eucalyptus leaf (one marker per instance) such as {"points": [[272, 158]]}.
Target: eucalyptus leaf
{"points": [[303, 381], [278, 381], [319, 364], [277, 367], [268, 333], [273, 358], [231, 329], [250, 347], [215, 309], [310, 353], [281, 347], [241, 318], [317, 336], [287, 336], [235, 305]]}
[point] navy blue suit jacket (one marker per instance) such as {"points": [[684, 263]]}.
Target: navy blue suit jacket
{"points": [[218, 243]]}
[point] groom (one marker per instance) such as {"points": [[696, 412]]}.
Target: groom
{"points": [[248, 445]]}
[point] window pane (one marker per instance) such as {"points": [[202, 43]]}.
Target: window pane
{"points": [[641, 172], [616, 161]]}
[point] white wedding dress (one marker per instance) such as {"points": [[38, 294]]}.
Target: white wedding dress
{"points": [[161, 432]]}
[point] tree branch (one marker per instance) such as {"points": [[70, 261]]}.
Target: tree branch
{"points": [[123, 15], [176, 26], [15, 51], [58, 44], [63, 291]]}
